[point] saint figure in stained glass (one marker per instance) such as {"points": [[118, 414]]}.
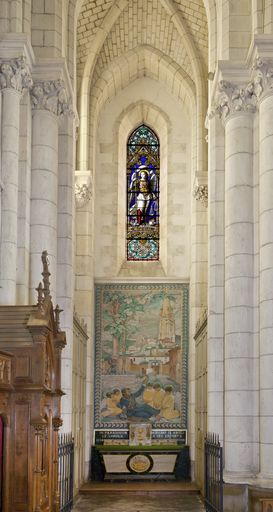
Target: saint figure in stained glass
{"points": [[143, 195], [143, 200]]}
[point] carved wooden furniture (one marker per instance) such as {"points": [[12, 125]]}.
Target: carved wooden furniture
{"points": [[30, 395], [267, 504]]}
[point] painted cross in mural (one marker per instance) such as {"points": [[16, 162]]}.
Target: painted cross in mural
{"points": [[141, 355]]}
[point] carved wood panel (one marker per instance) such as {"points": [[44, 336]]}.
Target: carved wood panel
{"points": [[22, 369], [21, 438]]}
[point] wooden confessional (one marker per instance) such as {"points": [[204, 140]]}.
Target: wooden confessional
{"points": [[30, 394]]}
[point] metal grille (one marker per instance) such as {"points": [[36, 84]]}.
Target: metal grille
{"points": [[66, 463], [213, 474]]}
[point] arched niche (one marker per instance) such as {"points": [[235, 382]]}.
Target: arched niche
{"points": [[117, 120]]}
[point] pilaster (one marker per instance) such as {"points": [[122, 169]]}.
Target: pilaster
{"points": [[84, 292]]}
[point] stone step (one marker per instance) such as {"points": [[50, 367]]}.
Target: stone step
{"points": [[139, 487]]}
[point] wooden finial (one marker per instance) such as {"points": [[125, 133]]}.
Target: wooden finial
{"points": [[57, 312], [40, 292], [46, 274]]}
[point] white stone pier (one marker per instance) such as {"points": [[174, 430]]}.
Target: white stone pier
{"points": [[48, 101], [15, 79], [266, 286], [65, 256], [239, 382], [216, 271]]}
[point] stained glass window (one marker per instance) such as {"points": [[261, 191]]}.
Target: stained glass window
{"points": [[143, 195]]}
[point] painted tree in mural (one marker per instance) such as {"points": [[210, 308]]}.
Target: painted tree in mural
{"points": [[121, 317]]}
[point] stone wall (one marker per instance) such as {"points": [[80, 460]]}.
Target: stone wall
{"points": [[154, 106]]}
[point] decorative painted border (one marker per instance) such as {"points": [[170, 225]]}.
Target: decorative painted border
{"points": [[99, 289]]}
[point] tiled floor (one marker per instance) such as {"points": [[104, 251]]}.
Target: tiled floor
{"points": [[131, 502]]}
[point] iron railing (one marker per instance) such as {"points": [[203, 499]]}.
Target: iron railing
{"points": [[213, 474], [66, 463]]}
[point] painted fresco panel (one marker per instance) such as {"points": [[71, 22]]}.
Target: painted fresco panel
{"points": [[141, 355]]}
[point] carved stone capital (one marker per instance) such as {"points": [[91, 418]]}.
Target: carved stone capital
{"points": [[262, 76], [15, 74], [200, 188], [82, 194], [200, 193], [51, 95], [232, 99], [83, 188]]}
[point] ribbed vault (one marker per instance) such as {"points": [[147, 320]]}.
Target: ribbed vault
{"points": [[106, 30], [143, 61], [112, 47], [163, 37], [142, 22]]}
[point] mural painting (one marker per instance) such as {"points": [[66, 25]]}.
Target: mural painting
{"points": [[141, 355]]}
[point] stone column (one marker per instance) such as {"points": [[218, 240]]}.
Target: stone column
{"points": [[236, 106], [216, 271], [48, 101], [65, 257], [24, 194], [14, 80], [264, 82]]}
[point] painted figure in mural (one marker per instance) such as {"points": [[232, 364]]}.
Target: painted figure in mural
{"points": [[158, 395], [143, 204], [167, 410], [148, 394], [112, 408], [128, 403]]}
